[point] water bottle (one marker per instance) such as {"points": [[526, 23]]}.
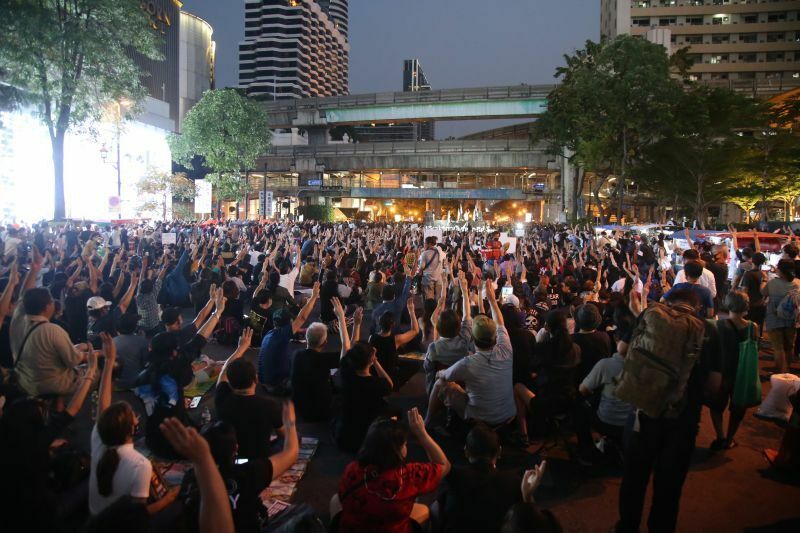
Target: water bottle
{"points": [[206, 416]]}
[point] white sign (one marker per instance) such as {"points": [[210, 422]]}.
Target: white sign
{"points": [[512, 244], [433, 232], [503, 235], [519, 232], [169, 238], [268, 204], [202, 196]]}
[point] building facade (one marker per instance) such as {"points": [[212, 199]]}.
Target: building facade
{"points": [[727, 39], [195, 62], [294, 49]]}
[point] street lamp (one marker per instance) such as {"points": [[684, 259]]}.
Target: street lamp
{"points": [[119, 104]]}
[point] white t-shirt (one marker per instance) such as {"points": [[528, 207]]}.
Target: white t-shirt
{"points": [[131, 478], [287, 280], [619, 285]]}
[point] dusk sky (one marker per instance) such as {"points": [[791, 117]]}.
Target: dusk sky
{"points": [[460, 43]]}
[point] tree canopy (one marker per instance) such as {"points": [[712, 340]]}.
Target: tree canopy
{"points": [[615, 98], [72, 59], [230, 132]]}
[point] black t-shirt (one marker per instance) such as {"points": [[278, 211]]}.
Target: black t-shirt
{"points": [[523, 344], [254, 417], [386, 352], [476, 498], [363, 402], [720, 272], [710, 361], [751, 283], [244, 483], [311, 383], [594, 346]]}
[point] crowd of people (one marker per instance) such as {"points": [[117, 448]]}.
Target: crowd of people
{"points": [[614, 338]]}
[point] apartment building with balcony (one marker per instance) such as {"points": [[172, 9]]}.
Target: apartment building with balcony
{"points": [[727, 39]]}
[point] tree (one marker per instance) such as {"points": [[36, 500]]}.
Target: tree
{"points": [[230, 132], [773, 151], [615, 98], [700, 161], [162, 188], [72, 59]]}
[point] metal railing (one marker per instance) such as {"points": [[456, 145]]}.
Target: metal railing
{"points": [[442, 95], [400, 148]]}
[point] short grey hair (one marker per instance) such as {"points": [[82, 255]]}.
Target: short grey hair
{"points": [[316, 334]]}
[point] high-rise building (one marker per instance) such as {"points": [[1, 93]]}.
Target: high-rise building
{"points": [[414, 77], [338, 13], [294, 49], [727, 39], [413, 80]]}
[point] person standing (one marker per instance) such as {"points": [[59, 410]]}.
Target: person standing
{"points": [[430, 265], [781, 331], [662, 446]]}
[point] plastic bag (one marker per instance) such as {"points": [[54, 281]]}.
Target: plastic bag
{"points": [[747, 388]]}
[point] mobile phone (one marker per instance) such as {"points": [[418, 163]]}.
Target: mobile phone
{"points": [[195, 402], [505, 292], [241, 461]]}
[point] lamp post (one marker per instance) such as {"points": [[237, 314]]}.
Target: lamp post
{"points": [[104, 151]]}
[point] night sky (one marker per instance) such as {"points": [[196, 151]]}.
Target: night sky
{"points": [[460, 43]]}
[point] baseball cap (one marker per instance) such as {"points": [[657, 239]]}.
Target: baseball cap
{"points": [[511, 299], [484, 329], [97, 302]]}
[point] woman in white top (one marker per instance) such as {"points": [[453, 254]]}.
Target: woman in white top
{"points": [[117, 468]]}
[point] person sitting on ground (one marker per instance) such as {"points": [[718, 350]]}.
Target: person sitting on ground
{"points": [[377, 491], [131, 351], [231, 322], [46, 361], [488, 396], [454, 340], [274, 357], [169, 370], [31, 439], [172, 318], [147, 298], [386, 345], [312, 390], [595, 345], [475, 498], [245, 479], [260, 318], [254, 417], [554, 363], [391, 301], [612, 413], [102, 318], [363, 392], [526, 516], [732, 332], [117, 468]]}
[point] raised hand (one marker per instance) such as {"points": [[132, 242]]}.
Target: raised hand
{"points": [[186, 440], [531, 481], [245, 341]]}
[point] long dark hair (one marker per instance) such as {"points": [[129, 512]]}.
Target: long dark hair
{"points": [[381, 448], [115, 426], [560, 338]]}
